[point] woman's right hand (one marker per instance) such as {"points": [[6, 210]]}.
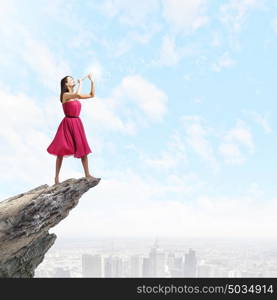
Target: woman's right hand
{"points": [[90, 76]]}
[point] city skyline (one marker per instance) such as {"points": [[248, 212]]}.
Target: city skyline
{"points": [[111, 258]]}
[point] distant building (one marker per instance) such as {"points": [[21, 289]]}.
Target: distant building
{"points": [[125, 268], [157, 261], [175, 265], [136, 266], [61, 273], [234, 273], [92, 265], [171, 260], [179, 262], [220, 272], [251, 274], [204, 270], [190, 264], [146, 272], [113, 267]]}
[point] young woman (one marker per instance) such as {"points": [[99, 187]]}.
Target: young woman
{"points": [[70, 138]]}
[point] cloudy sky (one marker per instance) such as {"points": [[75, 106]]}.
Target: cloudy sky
{"points": [[182, 127]]}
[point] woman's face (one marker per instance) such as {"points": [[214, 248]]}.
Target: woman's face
{"points": [[70, 81]]}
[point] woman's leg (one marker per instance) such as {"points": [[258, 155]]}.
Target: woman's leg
{"points": [[85, 165], [59, 161]]}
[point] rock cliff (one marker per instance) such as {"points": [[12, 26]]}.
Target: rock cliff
{"points": [[26, 218]]}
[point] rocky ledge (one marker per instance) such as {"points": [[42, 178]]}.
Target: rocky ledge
{"points": [[25, 220]]}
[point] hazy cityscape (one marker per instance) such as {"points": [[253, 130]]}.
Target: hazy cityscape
{"points": [[160, 257]]}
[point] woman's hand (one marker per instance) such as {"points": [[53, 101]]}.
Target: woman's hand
{"points": [[90, 76], [79, 81]]}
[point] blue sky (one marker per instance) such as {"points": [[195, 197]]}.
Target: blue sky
{"points": [[182, 128]]}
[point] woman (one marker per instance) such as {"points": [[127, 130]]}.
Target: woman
{"points": [[70, 138]]}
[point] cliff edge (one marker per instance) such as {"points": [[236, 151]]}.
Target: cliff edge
{"points": [[25, 220]]}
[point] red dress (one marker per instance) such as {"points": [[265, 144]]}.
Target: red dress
{"points": [[70, 138]]}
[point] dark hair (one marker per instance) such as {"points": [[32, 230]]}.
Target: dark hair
{"points": [[64, 88]]}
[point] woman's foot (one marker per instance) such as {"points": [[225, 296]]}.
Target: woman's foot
{"points": [[57, 180], [91, 177]]}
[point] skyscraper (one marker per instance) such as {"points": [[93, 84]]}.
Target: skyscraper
{"points": [[190, 264], [146, 272], [136, 266], [157, 261], [175, 265], [92, 265], [171, 260], [113, 266]]}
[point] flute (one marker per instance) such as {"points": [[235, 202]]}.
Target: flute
{"points": [[85, 77]]}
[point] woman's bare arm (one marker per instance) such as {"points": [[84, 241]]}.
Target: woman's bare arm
{"points": [[77, 94], [91, 87], [91, 94], [79, 86]]}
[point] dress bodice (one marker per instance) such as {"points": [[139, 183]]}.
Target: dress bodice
{"points": [[72, 108]]}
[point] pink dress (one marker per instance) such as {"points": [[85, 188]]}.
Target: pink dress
{"points": [[70, 138]]}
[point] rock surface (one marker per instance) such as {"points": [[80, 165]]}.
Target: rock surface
{"points": [[26, 218]]}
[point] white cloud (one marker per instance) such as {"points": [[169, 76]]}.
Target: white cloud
{"points": [[102, 114], [139, 27], [235, 12], [131, 104], [255, 191], [234, 15], [241, 134], [233, 141], [274, 24], [8, 8], [34, 54], [185, 16], [231, 153], [136, 19], [23, 142], [224, 61], [166, 160], [131, 38], [197, 138], [110, 8], [173, 156], [131, 13], [197, 100], [151, 100], [169, 53], [262, 120], [216, 39], [41, 60], [187, 77], [134, 210]]}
